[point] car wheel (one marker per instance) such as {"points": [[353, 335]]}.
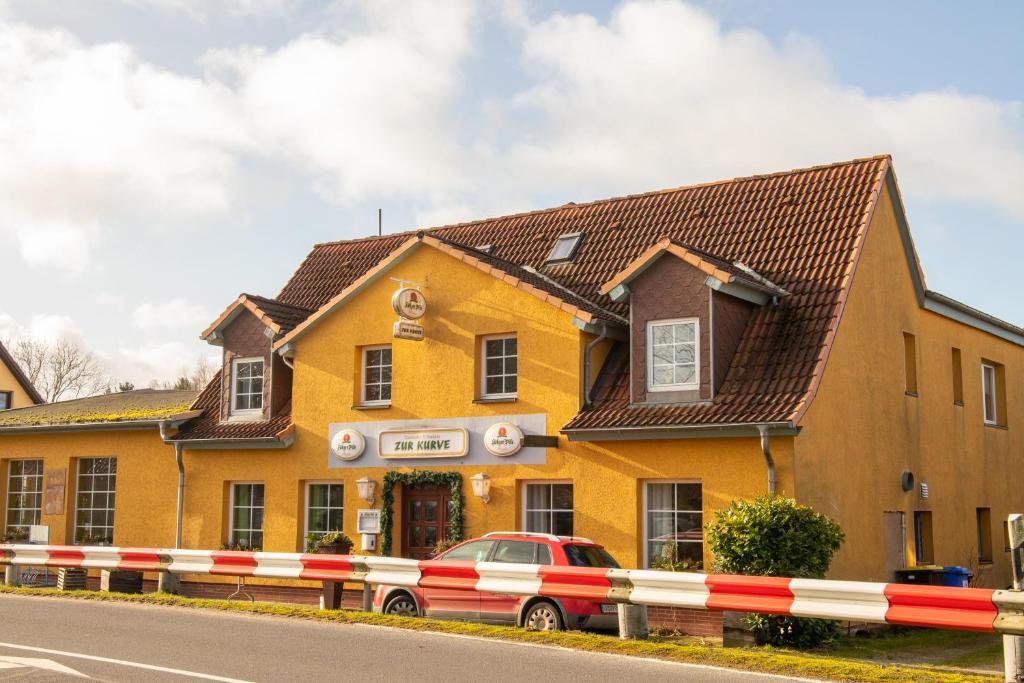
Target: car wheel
{"points": [[543, 616], [402, 605]]}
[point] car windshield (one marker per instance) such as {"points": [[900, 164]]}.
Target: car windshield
{"points": [[589, 556], [474, 550]]}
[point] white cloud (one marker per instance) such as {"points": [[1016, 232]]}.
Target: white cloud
{"points": [[200, 9], [170, 315], [141, 365], [44, 327], [95, 139], [662, 95]]}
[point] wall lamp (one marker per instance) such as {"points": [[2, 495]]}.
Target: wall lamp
{"points": [[366, 487], [481, 487]]}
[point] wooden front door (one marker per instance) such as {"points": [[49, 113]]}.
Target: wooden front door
{"points": [[426, 515]]}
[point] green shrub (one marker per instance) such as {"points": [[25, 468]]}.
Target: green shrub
{"points": [[777, 537]]}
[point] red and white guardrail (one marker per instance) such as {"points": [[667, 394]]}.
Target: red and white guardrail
{"points": [[969, 609]]}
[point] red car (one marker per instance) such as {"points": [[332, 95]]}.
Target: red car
{"points": [[529, 611]]}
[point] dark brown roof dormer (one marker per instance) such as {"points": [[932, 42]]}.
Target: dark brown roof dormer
{"points": [[256, 383], [688, 312]]}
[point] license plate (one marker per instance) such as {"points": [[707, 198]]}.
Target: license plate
{"points": [[609, 609]]}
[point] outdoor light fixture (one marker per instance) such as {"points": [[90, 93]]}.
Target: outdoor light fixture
{"points": [[481, 486], [366, 487]]}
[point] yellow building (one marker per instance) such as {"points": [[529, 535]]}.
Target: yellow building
{"points": [[16, 391], [618, 370]]}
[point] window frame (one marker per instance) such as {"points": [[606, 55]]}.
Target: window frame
{"points": [[483, 366], [78, 484], [992, 420], [231, 510], [364, 351], [309, 485], [645, 512], [577, 240], [924, 543], [8, 400], [525, 509], [247, 413], [983, 525], [649, 352], [7, 526]]}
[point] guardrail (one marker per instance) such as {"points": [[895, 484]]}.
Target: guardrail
{"points": [[967, 609]]}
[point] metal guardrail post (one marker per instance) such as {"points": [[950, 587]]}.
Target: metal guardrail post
{"points": [[367, 597], [12, 575], [1013, 645], [633, 622]]}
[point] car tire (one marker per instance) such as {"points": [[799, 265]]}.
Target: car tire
{"points": [[401, 605], [543, 616]]}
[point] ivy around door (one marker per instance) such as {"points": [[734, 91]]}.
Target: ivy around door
{"points": [[453, 480]]}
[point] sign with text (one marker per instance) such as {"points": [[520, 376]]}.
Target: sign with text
{"points": [[445, 442], [404, 330], [348, 444], [368, 521], [503, 439], [54, 482], [409, 303]]}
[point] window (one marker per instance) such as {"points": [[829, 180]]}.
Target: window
{"points": [[247, 386], [246, 516], [474, 551], [6, 399], [910, 362], [500, 367], [376, 376], [990, 393], [672, 355], [565, 248], [983, 518], [923, 538], [548, 508], [24, 495], [588, 556], [522, 552], [674, 524], [958, 378], [324, 508], [94, 501]]}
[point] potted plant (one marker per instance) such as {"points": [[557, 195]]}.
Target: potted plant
{"points": [[331, 543], [15, 536]]}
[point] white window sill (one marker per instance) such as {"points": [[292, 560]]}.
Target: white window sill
{"points": [[371, 406], [507, 398], [246, 417]]}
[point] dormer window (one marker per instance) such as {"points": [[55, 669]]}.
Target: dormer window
{"points": [[672, 354], [247, 387], [565, 248]]}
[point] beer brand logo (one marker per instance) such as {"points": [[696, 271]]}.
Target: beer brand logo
{"points": [[348, 444], [409, 303], [503, 439]]}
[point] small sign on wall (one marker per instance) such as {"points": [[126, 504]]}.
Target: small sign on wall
{"points": [[54, 480], [368, 521]]}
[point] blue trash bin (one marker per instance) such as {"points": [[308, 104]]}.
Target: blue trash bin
{"points": [[958, 577]]}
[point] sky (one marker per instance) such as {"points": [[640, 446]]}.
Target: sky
{"points": [[159, 157]]}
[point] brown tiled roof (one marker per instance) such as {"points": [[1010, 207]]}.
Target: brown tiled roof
{"points": [[800, 230], [209, 427], [141, 405], [7, 359], [285, 316]]}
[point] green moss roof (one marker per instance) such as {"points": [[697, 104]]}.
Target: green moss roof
{"points": [[126, 406]]}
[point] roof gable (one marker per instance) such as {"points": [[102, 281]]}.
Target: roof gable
{"points": [[19, 375], [278, 317]]}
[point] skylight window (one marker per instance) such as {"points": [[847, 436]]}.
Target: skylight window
{"points": [[565, 248]]}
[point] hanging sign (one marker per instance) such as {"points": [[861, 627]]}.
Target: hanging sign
{"points": [[503, 439], [449, 442], [348, 444], [406, 330], [409, 303]]}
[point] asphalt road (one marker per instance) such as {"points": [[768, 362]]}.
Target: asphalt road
{"points": [[50, 639]]}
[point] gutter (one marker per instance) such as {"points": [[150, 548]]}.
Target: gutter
{"points": [[178, 457], [768, 460], [173, 420], [240, 444], [699, 431]]}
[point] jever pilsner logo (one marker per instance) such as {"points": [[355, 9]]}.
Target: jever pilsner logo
{"points": [[409, 303], [503, 439], [348, 444]]}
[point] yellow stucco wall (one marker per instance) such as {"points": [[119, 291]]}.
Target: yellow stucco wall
{"points": [[20, 399], [436, 378], [146, 484], [863, 429]]}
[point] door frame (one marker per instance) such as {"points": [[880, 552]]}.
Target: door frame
{"points": [[408, 495]]}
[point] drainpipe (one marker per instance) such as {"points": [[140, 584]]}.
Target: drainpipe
{"points": [[586, 362], [178, 446], [766, 450]]}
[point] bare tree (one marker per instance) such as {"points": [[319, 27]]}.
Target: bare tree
{"points": [[202, 372], [60, 370]]}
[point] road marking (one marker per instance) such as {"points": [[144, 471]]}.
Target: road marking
{"points": [[33, 663], [121, 662]]}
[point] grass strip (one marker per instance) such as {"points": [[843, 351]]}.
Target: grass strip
{"points": [[764, 660]]}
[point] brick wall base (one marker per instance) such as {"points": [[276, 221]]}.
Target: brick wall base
{"points": [[688, 622]]}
